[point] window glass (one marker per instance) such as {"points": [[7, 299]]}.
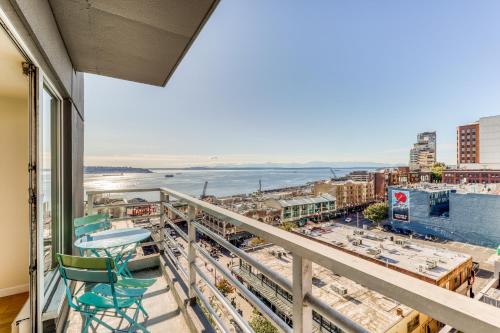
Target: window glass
{"points": [[46, 166]]}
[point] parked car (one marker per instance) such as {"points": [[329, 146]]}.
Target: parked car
{"points": [[387, 227], [348, 220]]}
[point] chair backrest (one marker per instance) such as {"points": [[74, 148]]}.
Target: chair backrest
{"points": [[89, 219], [91, 228], [83, 269], [87, 269]]}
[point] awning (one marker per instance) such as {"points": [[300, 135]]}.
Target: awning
{"points": [[140, 41]]}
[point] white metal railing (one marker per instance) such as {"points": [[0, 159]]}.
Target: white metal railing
{"points": [[441, 304]]}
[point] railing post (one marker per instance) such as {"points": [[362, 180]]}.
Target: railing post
{"points": [[164, 198], [301, 285], [90, 204], [191, 254]]}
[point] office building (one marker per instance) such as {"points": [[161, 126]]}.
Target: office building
{"points": [[471, 176], [464, 213], [468, 137], [423, 153], [295, 209], [478, 144], [348, 194]]}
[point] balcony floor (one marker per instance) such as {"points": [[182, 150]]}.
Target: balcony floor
{"points": [[164, 313]]}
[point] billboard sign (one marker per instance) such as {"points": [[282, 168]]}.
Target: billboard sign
{"points": [[400, 203]]}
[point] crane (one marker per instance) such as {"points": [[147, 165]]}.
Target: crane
{"points": [[204, 192], [260, 185], [333, 173]]}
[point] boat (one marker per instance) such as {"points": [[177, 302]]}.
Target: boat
{"points": [[168, 175]]}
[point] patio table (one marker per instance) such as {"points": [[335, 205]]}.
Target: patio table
{"points": [[111, 239]]}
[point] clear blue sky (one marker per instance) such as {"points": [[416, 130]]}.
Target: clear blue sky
{"points": [[299, 81]]}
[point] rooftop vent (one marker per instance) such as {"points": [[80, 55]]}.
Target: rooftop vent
{"points": [[341, 290], [431, 263]]}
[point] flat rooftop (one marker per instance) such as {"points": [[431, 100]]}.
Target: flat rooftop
{"points": [[408, 255], [368, 308], [493, 189], [306, 200]]}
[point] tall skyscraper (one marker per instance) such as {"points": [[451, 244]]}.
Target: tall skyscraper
{"points": [[423, 153]]}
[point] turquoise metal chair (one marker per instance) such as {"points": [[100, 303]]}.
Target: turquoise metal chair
{"points": [[90, 224], [97, 222], [90, 303], [89, 219], [86, 225]]}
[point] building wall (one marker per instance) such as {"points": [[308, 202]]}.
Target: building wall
{"points": [[471, 176], [14, 238], [473, 218], [34, 28], [489, 128]]}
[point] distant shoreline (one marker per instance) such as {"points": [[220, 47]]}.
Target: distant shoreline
{"points": [[271, 168], [112, 170]]}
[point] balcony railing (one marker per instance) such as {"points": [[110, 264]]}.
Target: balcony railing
{"points": [[447, 307]]}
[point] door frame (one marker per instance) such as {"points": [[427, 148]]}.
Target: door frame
{"points": [[37, 80]]}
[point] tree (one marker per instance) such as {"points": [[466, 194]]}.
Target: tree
{"points": [[288, 226], [261, 324], [437, 171], [376, 212], [224, 287], [256, 241]]}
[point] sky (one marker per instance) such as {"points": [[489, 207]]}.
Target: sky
{"points": [[274, 81]]}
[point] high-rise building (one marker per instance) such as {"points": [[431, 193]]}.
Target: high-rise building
{"points": [[423, 153], [478, 144], [468, 144]]}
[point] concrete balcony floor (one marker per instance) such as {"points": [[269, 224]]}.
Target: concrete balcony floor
{"points": [[164, 313]]}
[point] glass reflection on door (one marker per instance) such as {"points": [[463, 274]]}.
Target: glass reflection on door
{"points": [[45, 167]]}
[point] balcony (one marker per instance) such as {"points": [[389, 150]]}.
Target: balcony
{"points": [[187, 297]]}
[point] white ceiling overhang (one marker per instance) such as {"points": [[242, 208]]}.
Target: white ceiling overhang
{"points": [[134, 40]]}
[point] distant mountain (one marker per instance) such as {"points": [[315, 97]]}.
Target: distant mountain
{"points": [[308, 165], [104, 169]]}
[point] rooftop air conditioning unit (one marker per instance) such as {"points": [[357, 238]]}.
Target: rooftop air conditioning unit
{"points": [[374, 251], [359, 232], [339, 289], [420, 268], [431, 263], [403, 242], [357, 242]]}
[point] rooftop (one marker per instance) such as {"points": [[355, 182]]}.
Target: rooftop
{"points": [[370, 309], [409, 256], [462, 188], [306, 200]]}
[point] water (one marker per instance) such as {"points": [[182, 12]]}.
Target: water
{"points": [[220, 182]]}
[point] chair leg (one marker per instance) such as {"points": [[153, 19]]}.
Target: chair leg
{"points": [[139, 304], [88, 320], [133, 322]]}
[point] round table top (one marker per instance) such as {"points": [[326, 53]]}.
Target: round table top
{"points": [[112, 238]]}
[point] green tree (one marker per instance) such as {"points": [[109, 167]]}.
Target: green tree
{"points": [[261, 324], [224, 287], [288, 226], [437, 171], [376, 212]]}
